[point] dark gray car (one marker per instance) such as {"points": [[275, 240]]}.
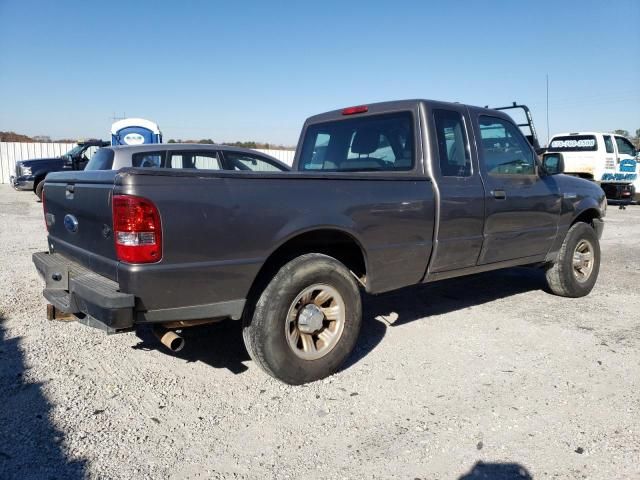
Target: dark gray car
{"points": [[185, 155], [380, 197]]}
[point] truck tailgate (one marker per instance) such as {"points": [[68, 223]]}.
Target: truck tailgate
{"points": [[78, 213]]}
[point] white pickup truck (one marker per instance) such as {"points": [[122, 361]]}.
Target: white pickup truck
{"points": [[609, 159]]}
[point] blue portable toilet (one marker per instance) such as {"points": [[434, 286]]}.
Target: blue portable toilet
{"points": [[135, 131]]}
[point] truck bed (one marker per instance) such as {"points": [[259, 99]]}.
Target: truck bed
{"points": [[213, 253]]}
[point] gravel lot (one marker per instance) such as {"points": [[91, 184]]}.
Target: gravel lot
{"points": [[486, 375]]}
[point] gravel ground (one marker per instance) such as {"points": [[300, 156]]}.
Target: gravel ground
{"points": [[483, 377]]}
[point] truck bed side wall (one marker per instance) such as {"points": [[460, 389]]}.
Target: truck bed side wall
{"points": [[219, 230]]}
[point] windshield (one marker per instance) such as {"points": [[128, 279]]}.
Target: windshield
{"points": [[101, 160], [74, 151], [573, 143]]}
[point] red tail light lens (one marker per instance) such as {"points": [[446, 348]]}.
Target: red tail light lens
{"points": [[136, 229], [352, 110]]}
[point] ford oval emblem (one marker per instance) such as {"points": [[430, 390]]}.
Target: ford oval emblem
{"points": [[628, 165], [71, 223], [133, 139]]}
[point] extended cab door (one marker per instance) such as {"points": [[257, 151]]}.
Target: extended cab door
{"points": [[461, 222], [610, 160], [626, 161], [522, 208]]}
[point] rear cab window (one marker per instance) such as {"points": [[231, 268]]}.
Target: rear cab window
{"points": [[101, 160], [382, 142], [573, 143]]}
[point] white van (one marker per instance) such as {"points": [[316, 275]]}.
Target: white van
{"points": [[606, 158]]}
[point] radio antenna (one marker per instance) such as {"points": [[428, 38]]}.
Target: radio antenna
{"points": [[547, 109]]}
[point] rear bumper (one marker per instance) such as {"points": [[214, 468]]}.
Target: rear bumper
{"points": [[94, 299], [98, 302]]}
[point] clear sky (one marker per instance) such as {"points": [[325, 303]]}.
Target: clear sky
{"points": [[239, 70]]}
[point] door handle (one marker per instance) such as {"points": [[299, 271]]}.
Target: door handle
{"points": [[499, 194]]}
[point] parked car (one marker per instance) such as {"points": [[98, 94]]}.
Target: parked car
{"points": [[30, 174], [184, 155], [606, 158], [380, 197]]}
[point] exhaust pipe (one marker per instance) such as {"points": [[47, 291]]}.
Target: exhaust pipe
{"points": [[169, 339]]}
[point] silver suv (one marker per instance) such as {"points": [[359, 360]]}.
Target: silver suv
{"points": [[184, 155]]}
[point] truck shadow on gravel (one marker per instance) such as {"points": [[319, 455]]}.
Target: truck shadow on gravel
{"points": [[419, 302], [31, 447], [220, 345], [497, 471]]}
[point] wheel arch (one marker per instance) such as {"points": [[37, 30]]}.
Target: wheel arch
{"points": [[39, 177], [331, 241], [587, 215]]}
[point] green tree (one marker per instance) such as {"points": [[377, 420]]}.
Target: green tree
{"points": [[624, 133]]}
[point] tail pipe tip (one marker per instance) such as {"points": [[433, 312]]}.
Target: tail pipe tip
{"points": [[169, 339]]}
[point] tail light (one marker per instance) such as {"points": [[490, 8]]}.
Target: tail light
{"points": [[136, 229], [354, 110]]}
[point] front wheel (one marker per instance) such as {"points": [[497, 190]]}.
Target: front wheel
{"points": [[38, 190], [306, 321], [576, 270]]}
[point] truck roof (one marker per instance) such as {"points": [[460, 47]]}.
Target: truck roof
{"points": [[381, 107], [152, 147], [569, 134]]}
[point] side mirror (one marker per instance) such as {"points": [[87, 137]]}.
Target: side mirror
{"points": [[553, 163]]}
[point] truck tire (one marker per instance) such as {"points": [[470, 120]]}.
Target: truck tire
{"points": [[306, 321], [38, 189], [576, 270]]}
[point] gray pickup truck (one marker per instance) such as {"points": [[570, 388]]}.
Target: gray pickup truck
{"points": [[380, 197]]}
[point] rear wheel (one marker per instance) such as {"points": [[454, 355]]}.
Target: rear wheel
{"points": [[38, 190], [576, 270], [306, 321]]}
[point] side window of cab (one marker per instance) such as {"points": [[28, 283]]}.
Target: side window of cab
{"points": [[504, 148], [624, 146], [451, 136], [205, 160], [249, 163], [608, 144], [147, 159]]}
